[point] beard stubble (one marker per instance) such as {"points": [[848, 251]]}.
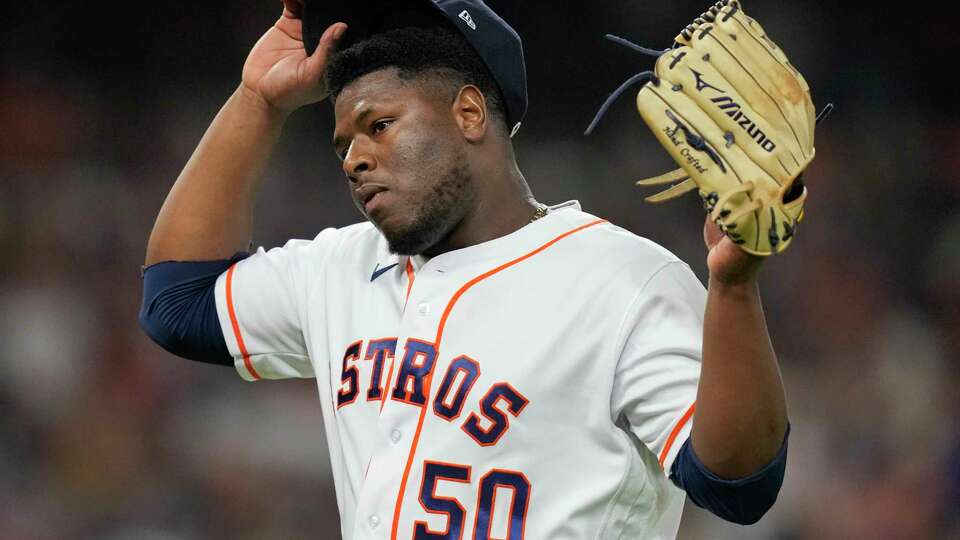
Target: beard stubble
{"points": [[442, 209]]}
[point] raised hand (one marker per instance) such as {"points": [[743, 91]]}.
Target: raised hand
{"points": [[278, 69]]}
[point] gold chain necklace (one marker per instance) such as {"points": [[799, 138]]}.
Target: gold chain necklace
{"points": [[541, 211]]}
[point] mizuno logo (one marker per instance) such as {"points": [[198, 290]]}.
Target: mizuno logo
{"points": [[732, 109], [377, 273], [468, 19], [701, 84]]}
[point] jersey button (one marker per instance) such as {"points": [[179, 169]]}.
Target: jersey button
{"points": [[395, 435], [423, 309], [373, 521]]}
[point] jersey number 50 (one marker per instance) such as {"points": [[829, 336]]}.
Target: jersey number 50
{"points": [[434, 472]]}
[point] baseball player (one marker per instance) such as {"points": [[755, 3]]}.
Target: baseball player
{"points": [[488, 366]]}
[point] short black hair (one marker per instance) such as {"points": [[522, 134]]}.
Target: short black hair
{"points": [[439, 52]]}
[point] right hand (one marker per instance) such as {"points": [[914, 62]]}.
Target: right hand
{"points": [[278, 69]]}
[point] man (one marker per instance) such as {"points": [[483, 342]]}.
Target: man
{"points": [[488, 366]]}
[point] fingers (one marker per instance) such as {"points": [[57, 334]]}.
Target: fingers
{"points": [[317, 62], [711, 232], [328, 41]]}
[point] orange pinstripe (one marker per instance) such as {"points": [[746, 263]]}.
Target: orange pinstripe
{"points": [[410, 278], [676, 431], [236, 325], [429, 378]]}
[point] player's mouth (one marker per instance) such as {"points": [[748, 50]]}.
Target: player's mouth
{"points": [[370, 197], [373, 203]]}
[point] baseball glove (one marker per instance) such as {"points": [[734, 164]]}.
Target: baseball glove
{"points": [[738, 118]]}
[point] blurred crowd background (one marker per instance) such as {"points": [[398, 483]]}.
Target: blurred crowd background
{"points": [[105, 435]]}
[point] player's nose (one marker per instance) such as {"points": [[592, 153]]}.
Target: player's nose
{"points": [[359, 160]]}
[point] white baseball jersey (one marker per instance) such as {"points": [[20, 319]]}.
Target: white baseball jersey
{"points": [[534, 386]]}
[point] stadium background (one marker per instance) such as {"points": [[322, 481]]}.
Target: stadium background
{"points": [[104, 435]]}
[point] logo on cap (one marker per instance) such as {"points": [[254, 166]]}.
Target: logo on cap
{"points": [[468, 19]]}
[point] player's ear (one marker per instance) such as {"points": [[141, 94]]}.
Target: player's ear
{"points": [[470, 112]]}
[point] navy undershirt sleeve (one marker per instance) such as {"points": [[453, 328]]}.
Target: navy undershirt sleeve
{"points": [[179, 310], [744, 500]]}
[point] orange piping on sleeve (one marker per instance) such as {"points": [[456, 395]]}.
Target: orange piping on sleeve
{"points": [[236, 325], [676, 431]]}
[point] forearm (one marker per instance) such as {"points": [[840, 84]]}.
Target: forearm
{"points": [[741, 413], [208, 213]]}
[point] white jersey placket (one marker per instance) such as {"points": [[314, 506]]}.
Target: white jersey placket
{"points": [[398, 421]]}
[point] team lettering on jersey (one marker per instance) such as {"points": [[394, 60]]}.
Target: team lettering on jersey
{"points": [[496, 406]]}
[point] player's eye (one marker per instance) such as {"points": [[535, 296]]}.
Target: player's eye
{"points": [[380, 125]]}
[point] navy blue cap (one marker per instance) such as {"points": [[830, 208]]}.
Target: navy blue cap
{"points": [[494, 40]]}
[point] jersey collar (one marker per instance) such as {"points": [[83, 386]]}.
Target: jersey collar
{"points": [[523, 238], [517, 241]]}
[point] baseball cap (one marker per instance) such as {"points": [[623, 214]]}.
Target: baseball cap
{"points": [[490, 36]]}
